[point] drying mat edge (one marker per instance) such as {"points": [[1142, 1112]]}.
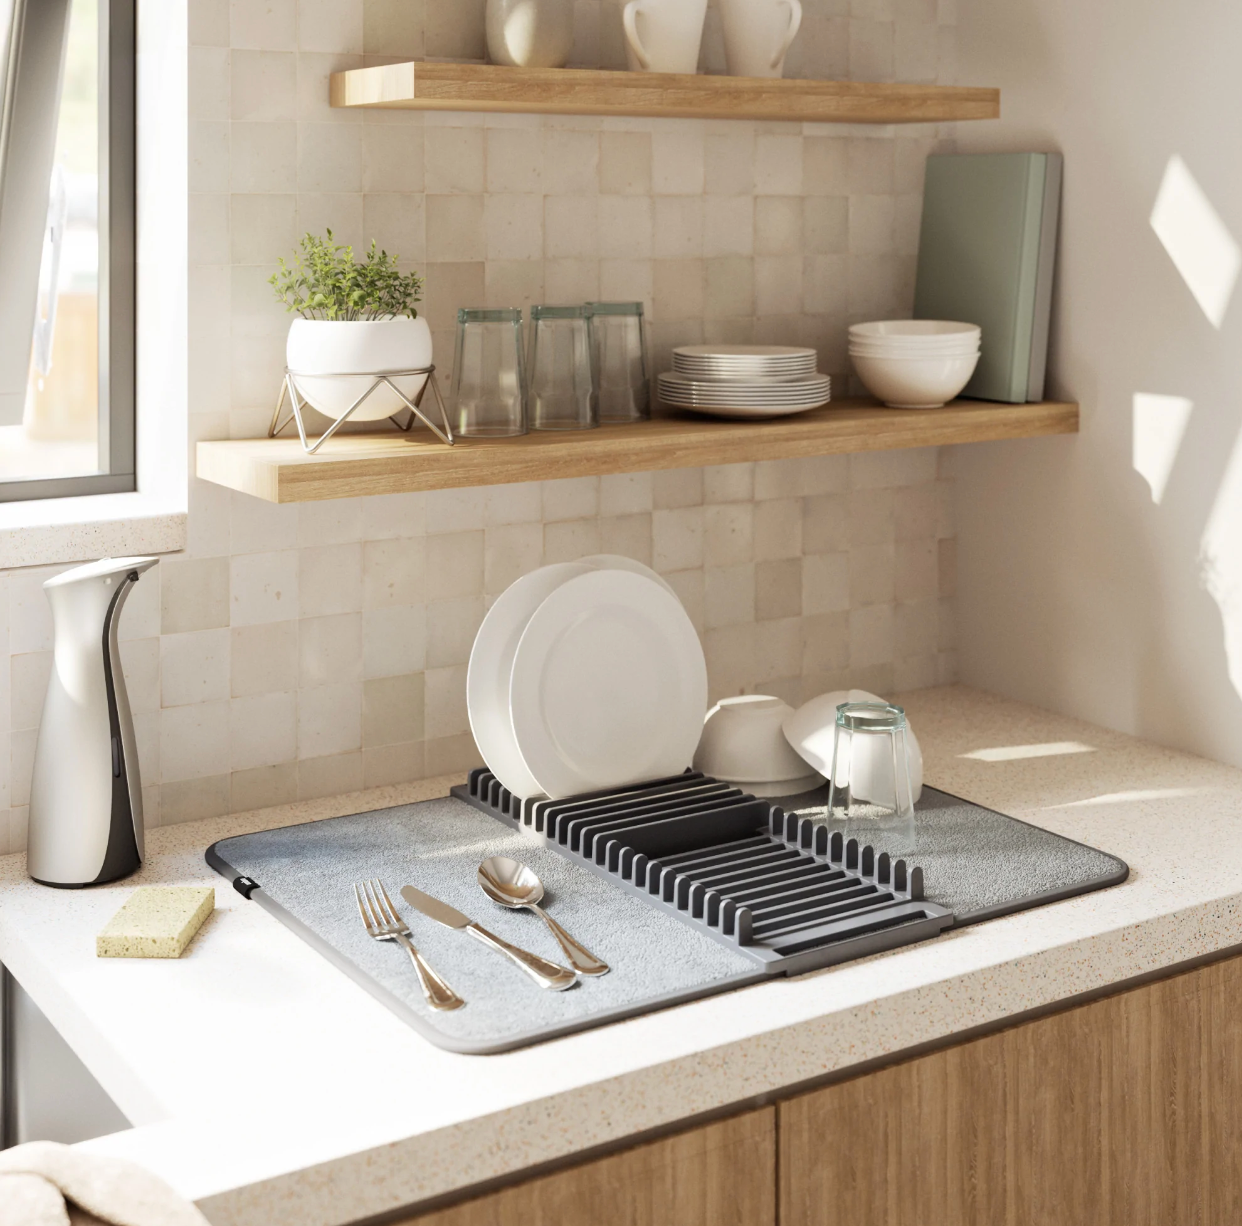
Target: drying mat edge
{"points": [[429, 1032], [1031, 901]]}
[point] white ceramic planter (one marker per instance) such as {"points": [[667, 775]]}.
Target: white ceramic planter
{"points": [[366, 348], [530, 33]]}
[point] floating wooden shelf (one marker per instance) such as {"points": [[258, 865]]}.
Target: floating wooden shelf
{"points": [[353, 465], [433, 86]]}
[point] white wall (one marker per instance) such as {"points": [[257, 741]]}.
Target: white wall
{"points": [[1076, 590], [292, 652]]}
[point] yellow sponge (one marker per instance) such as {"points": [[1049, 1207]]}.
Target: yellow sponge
{"points": [[158, 921]]}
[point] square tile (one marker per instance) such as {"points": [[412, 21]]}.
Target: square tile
{"points": [[392, 710], [263, 658], [330, 579]]}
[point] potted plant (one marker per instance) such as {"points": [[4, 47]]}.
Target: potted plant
{"points": [[355, 318]]}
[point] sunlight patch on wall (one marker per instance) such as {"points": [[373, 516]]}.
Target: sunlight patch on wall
{"points": [[1159, 425], [1197, 240], [1220, 560], [1015, 753]]}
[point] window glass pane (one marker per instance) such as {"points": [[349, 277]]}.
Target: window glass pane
{"points": [[59, 433]]}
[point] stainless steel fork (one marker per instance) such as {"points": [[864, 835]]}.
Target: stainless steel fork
{"points": [[384, 924]]}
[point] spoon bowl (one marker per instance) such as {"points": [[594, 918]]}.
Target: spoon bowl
{"points": [[509, 883]]}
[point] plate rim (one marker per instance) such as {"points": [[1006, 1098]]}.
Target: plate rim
{"points": [[529, 722]]}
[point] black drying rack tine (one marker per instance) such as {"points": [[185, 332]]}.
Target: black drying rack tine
{"points": [[779, 888]]}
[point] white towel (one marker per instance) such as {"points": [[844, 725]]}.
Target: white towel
{"points": [[46, 1184]]}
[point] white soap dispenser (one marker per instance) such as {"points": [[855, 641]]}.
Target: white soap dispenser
{"points": [[86, 794]]}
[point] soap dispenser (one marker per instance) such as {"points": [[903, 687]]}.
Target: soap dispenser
{"points": [[86, 794]]}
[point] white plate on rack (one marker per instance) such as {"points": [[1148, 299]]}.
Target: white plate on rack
{"points": [[491, 661], [491, 666], [609, 685], [618, 561]]}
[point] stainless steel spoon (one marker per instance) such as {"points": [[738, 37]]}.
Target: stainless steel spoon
{"points": [[514, 885]]}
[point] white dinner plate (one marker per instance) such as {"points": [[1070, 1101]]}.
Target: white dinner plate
{"points": [[618, 561], [491, 664], [743, 374], [609, 685], [771, 352], [750, 412], [674, 384], [811, 397], [729, 370], [734, 387]]}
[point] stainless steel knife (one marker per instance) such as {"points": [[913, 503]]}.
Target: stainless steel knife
{"points": [[546, 974]]}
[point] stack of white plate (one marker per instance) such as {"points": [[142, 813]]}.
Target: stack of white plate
{"points": [[585, 676], [744, 380], [915, 363]]}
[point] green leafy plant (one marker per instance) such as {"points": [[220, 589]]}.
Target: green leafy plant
{"points": [[325, 282]]}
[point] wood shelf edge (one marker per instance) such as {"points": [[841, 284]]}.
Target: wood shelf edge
{"points": [[435, 85], [277, 470]]}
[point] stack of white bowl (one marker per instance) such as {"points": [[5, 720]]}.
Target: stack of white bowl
{"points": [[749, 381], [915, 363]]}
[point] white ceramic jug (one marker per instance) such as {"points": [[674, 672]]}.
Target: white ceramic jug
{"points": [[530, 33], [757, 33], [664, 35]]}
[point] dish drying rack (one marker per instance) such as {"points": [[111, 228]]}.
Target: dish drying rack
{"points": [[779, 888]]}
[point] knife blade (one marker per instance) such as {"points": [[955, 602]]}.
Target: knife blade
{"points": [[546, 974], [434, 909]]}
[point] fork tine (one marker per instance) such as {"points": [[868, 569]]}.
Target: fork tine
{"points": [[372, 905], [376, 891], [373, 913], [378, 903], [364, 909], [392, 911]]}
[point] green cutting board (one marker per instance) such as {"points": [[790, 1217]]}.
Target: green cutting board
{"points": [[985, 257]]}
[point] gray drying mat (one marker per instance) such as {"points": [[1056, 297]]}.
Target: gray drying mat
{"points": [[979, 864], [305, 874]]}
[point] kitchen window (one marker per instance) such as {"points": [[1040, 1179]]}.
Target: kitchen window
{"points": [[67, 228]]}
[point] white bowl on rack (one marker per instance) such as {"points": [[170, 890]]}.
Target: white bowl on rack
{"points": [[743, 743]]}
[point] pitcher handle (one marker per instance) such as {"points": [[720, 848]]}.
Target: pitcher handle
{"points": [[629, 19], [795, 21]]}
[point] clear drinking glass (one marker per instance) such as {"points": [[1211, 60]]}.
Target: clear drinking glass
{"points": [[870, 782], [620, 361], [562, 392], [488, 374]]}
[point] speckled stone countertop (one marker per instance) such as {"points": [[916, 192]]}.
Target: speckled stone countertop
{"points": [[271, 1089]]}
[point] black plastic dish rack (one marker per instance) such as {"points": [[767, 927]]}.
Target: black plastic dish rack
{"points": [[769, 884]]}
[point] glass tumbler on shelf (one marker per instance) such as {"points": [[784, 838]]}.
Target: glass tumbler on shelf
{"points": [[488, 374], [621, 361], [562, 392], [869, 787]]}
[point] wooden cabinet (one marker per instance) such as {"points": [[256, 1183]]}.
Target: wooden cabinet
{"points": [[723, 1174], [1126, 1111], [1123, 1112]]}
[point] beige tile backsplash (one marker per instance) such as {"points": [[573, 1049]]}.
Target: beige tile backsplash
{"points": [[317, 649]]}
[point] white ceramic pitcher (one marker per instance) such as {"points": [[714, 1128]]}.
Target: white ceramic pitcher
{"points": [[664, 35], [757, 33]]}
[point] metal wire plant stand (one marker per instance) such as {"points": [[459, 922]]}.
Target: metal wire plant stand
{"points": [[297, 402]]}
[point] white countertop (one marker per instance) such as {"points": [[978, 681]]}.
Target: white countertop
{"points": [[270, 1088]]}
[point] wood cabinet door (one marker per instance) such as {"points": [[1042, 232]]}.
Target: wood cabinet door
{"points": [[723, 1174], [1123, 1112]]}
